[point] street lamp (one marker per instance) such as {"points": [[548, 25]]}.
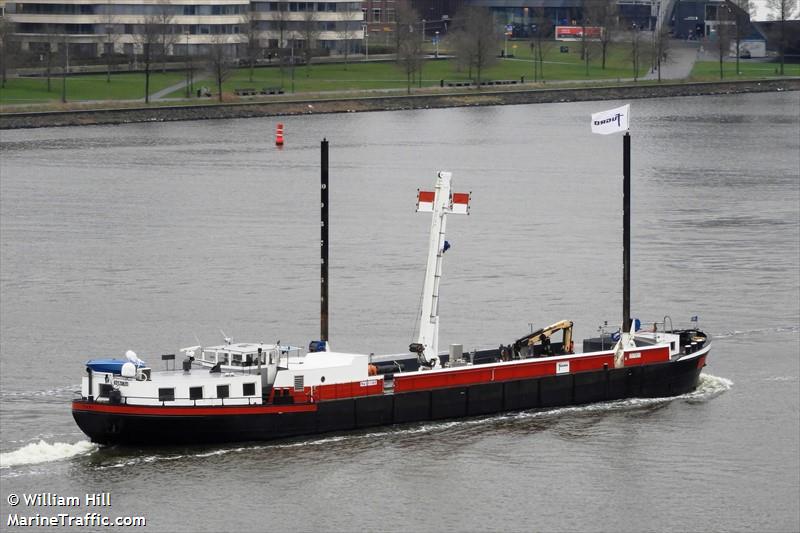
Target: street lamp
{"points": [[365, 29], [188, 67], [437, 45]]}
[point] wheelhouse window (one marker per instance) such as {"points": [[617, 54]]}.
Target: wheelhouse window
{"points": [[223, 391], [166, 395], [249, 389], [104, 390], [195, 393]]}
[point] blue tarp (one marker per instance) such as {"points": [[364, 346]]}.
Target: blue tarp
{"points": [[113, 366]]}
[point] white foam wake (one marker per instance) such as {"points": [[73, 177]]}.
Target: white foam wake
{"points": [[760, 331], [709, 386], [44, 452]]}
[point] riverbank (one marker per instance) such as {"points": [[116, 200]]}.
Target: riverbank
{"points": [[291, 105]]}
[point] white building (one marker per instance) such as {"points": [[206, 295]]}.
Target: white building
{"points": [[96, 27], [334, 23]]}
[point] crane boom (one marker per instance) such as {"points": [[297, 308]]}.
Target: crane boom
{"points": [[440, 202]]}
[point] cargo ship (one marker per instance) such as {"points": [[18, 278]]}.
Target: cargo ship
{"points": [[241, 391]]}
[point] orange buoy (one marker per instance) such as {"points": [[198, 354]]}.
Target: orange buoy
{"points": [[279, 134]]}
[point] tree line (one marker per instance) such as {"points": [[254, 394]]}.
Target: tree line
{"points": [[474, 37]]}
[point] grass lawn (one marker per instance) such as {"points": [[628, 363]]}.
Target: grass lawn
{"points": [[709, 70], [359, 75], [84, 87]]}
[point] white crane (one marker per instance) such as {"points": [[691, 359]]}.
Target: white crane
{"points": [[441, 202]]}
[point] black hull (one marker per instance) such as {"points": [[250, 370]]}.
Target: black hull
{"points": [[651, 381]]}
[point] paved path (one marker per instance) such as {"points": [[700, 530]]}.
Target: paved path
{"points": [[158, 95], [680, 61]]}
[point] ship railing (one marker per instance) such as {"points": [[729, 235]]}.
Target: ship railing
{"points": [[192, 402]]}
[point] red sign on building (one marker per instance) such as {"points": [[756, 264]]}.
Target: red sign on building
{"points": [[575, 33]]}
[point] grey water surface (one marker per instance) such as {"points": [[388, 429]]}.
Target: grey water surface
{"points": [[152, 237]]}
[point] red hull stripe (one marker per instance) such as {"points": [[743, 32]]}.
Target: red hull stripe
{"points": [[533, 369], [191, 411]]}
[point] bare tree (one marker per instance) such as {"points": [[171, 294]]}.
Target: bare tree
{"points": [[220, 62], [282, 21], [64, 67], [409, 43], [462, 45], [741, 19], [148, 38], [252, 40], [109, 26], [637, 50], [51, 41], [782, 11], [541, 42], [346, 35], [585, 6], [604, 13], [661, 47], [310, 31], [479, 38], [724, 33], [167, 35], [7, 46]]}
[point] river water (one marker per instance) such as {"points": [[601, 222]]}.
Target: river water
{"points": [[156, 236]]}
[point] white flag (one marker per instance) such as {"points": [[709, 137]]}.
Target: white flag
{"points": [[611, 121]]}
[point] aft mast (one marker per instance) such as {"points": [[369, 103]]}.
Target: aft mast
{"points": [[439, 202], [323, 311]]}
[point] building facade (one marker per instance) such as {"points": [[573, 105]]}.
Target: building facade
{"points": [[332, 25], [91, 28]]}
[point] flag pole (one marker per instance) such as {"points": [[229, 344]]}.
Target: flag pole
{"points": [[323, 313], [626, 232]]}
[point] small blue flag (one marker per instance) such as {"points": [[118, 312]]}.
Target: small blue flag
{"points": [[615, 336], [446, 246], [694, 318]]}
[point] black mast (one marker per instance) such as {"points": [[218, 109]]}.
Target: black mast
{"points": [[323, 313], [626, 232]]}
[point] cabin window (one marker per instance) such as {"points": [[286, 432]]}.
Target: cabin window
{"points": [[298, 383], [672, 346], [223, 391], [195, 393], [249, 389], [104, 390], [166, 395]]}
